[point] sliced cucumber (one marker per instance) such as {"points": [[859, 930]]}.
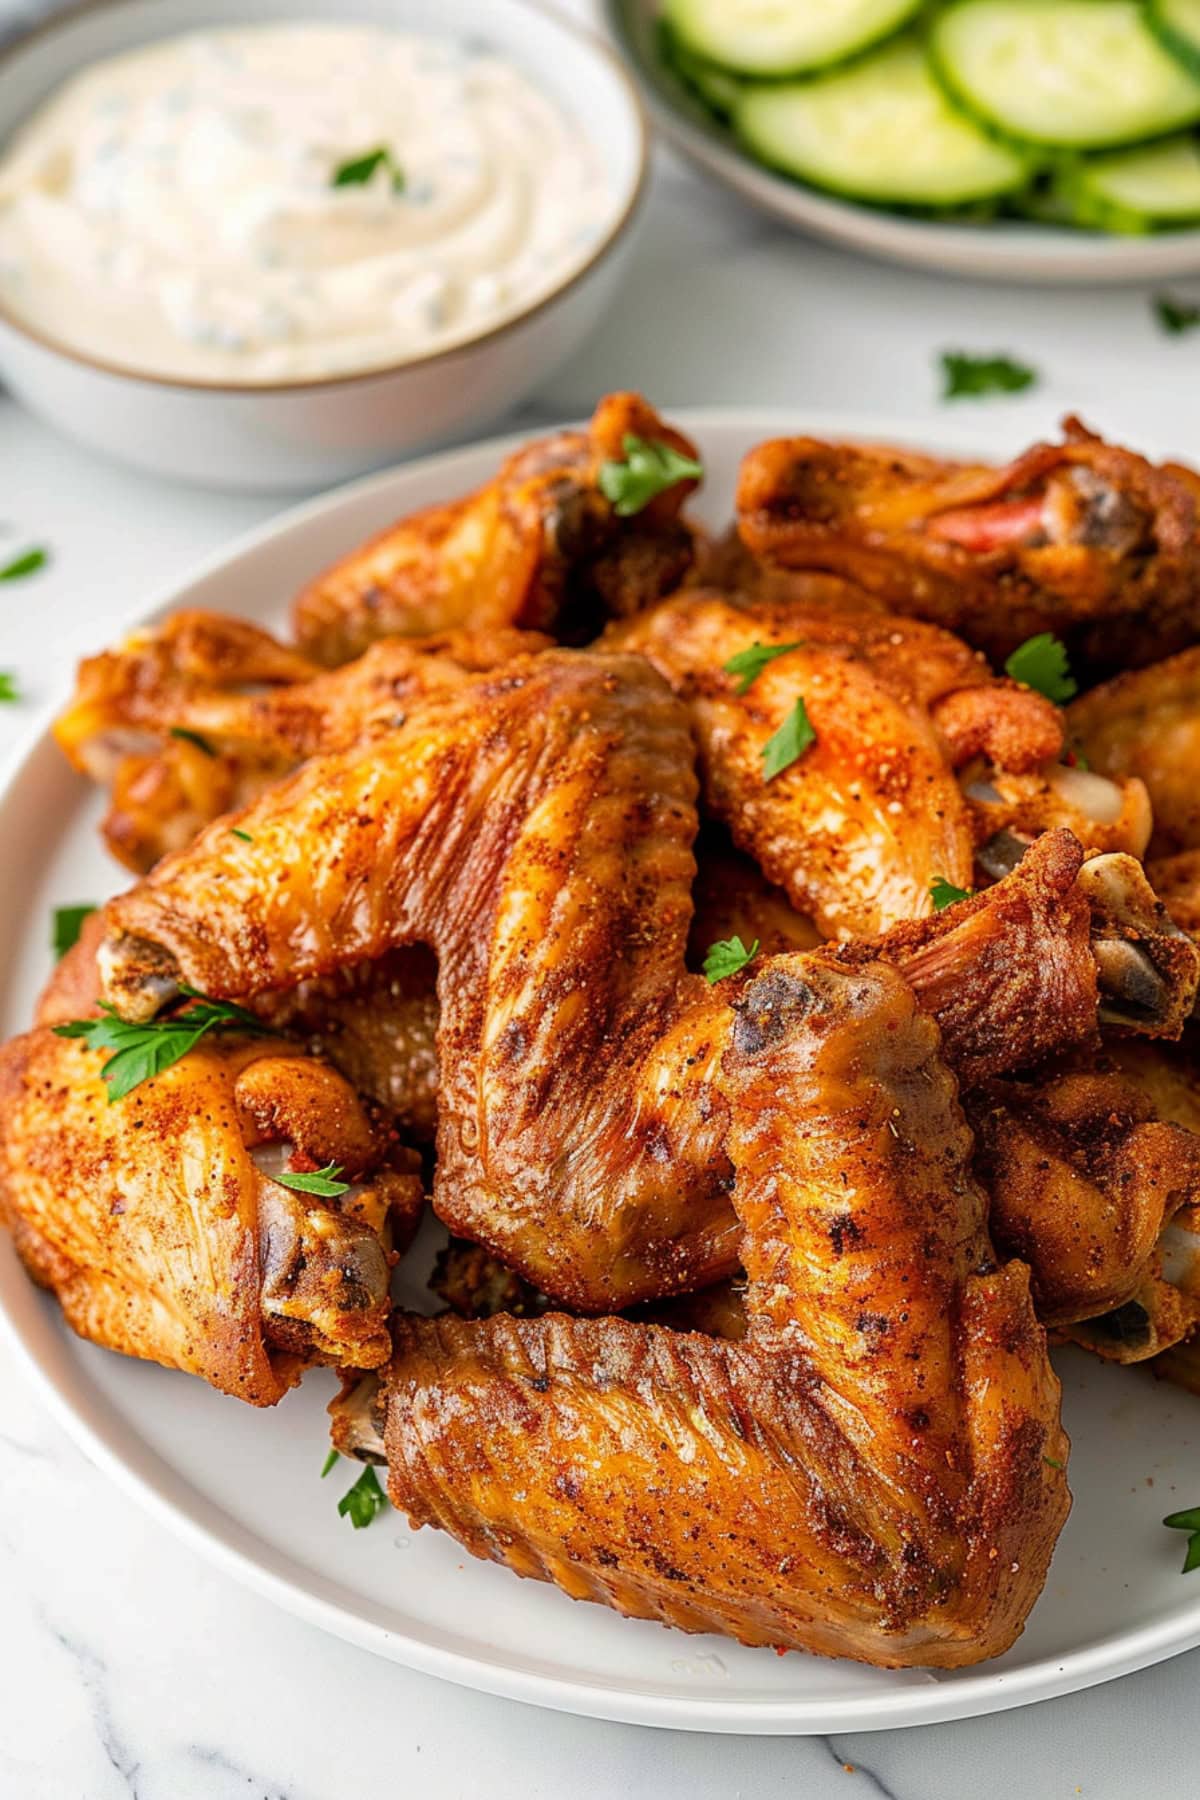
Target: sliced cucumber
{"points": [[1176, 24], [715, 88], [783, 37], [1079, 74], [879, 130], [1148, 189]]}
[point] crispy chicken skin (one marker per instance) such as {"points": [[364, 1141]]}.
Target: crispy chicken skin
{"points": [[873, 1471], [1083, 1177], [1146, 723], [1176, 880], [1080, 538], [860, 826], [248, 708], [535, 828], [539, 546], [156, 1222]]}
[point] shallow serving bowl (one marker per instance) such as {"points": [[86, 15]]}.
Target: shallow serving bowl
{"points": [[307, 433], [998, 250], [244, 1486]]}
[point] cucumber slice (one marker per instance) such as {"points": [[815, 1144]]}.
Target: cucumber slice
{"points": [[880, 130], [1076, 74], [1176, 24], [783, 37], [715, 88], [1148, 189]]}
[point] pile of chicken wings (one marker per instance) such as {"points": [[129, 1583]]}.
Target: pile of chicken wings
{"points": [[770, 957]]}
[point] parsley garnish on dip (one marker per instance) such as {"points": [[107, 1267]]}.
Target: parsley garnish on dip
{"points": [[293, 201]]}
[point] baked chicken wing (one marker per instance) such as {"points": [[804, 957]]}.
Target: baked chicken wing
{"points": [[540, 546], [535, 829], [873, 1471], [1083, 1177], [160, 1224], [1146, 723], [859, 826], [190, 719], [1081, 538]]}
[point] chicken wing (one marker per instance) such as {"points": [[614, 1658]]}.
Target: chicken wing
{"points": [[1146, 723], [197, 716], [1176, 880], [874, 1471], [160, 1225], [1083, 1177], [859, 826], [1080, 538], [535, 828], [539, 546]]}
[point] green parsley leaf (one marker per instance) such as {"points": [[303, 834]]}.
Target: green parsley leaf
{"points": [[964, 375], [68, 923], [789, 743], [192, 737], [1189, 1521], [142, 1051], [235, 831], [727, 957], [647, 471], [356, 171], [1054, 1462], [1175, 316], [28, 563], [364, 1502], [943, 893], [331, 1462], [749, 664], [8, 687], [319, 1181], [1041, 664]]}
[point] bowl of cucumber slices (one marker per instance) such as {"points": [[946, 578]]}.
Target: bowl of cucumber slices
{"points": [[1035, 140]]}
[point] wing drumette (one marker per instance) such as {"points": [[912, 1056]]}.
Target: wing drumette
{"points": [[1080, 538], [160, 1225], [540, 546]]}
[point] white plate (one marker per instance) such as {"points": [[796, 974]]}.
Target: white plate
{"points": [[1000, 250], [242, 1486]]}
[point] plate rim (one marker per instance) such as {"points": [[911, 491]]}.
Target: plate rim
{"points": [[222, 1541], [1044, 255]]}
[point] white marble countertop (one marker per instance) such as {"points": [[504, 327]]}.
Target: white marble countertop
{"points": [[127, 1666]]}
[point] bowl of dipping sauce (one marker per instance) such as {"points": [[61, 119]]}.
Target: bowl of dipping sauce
{"points": [[250, 248]]}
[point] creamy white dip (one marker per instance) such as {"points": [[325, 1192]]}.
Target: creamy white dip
{"points": [[177, 210]]}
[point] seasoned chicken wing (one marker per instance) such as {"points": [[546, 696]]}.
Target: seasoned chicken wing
{"points": [[540, 546], [859, 826], [1176, 880], [1146, 723], [1080, 538], [535, 829], [874, 1471], [1083, 1177], [161, 1225], [192, 718]]}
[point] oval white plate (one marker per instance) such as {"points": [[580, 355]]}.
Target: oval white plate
{"points": [[243, 1486], [1000, 250]]}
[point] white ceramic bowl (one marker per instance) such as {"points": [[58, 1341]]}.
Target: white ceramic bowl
{"points": [[1000, 250], [304, 434]]}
